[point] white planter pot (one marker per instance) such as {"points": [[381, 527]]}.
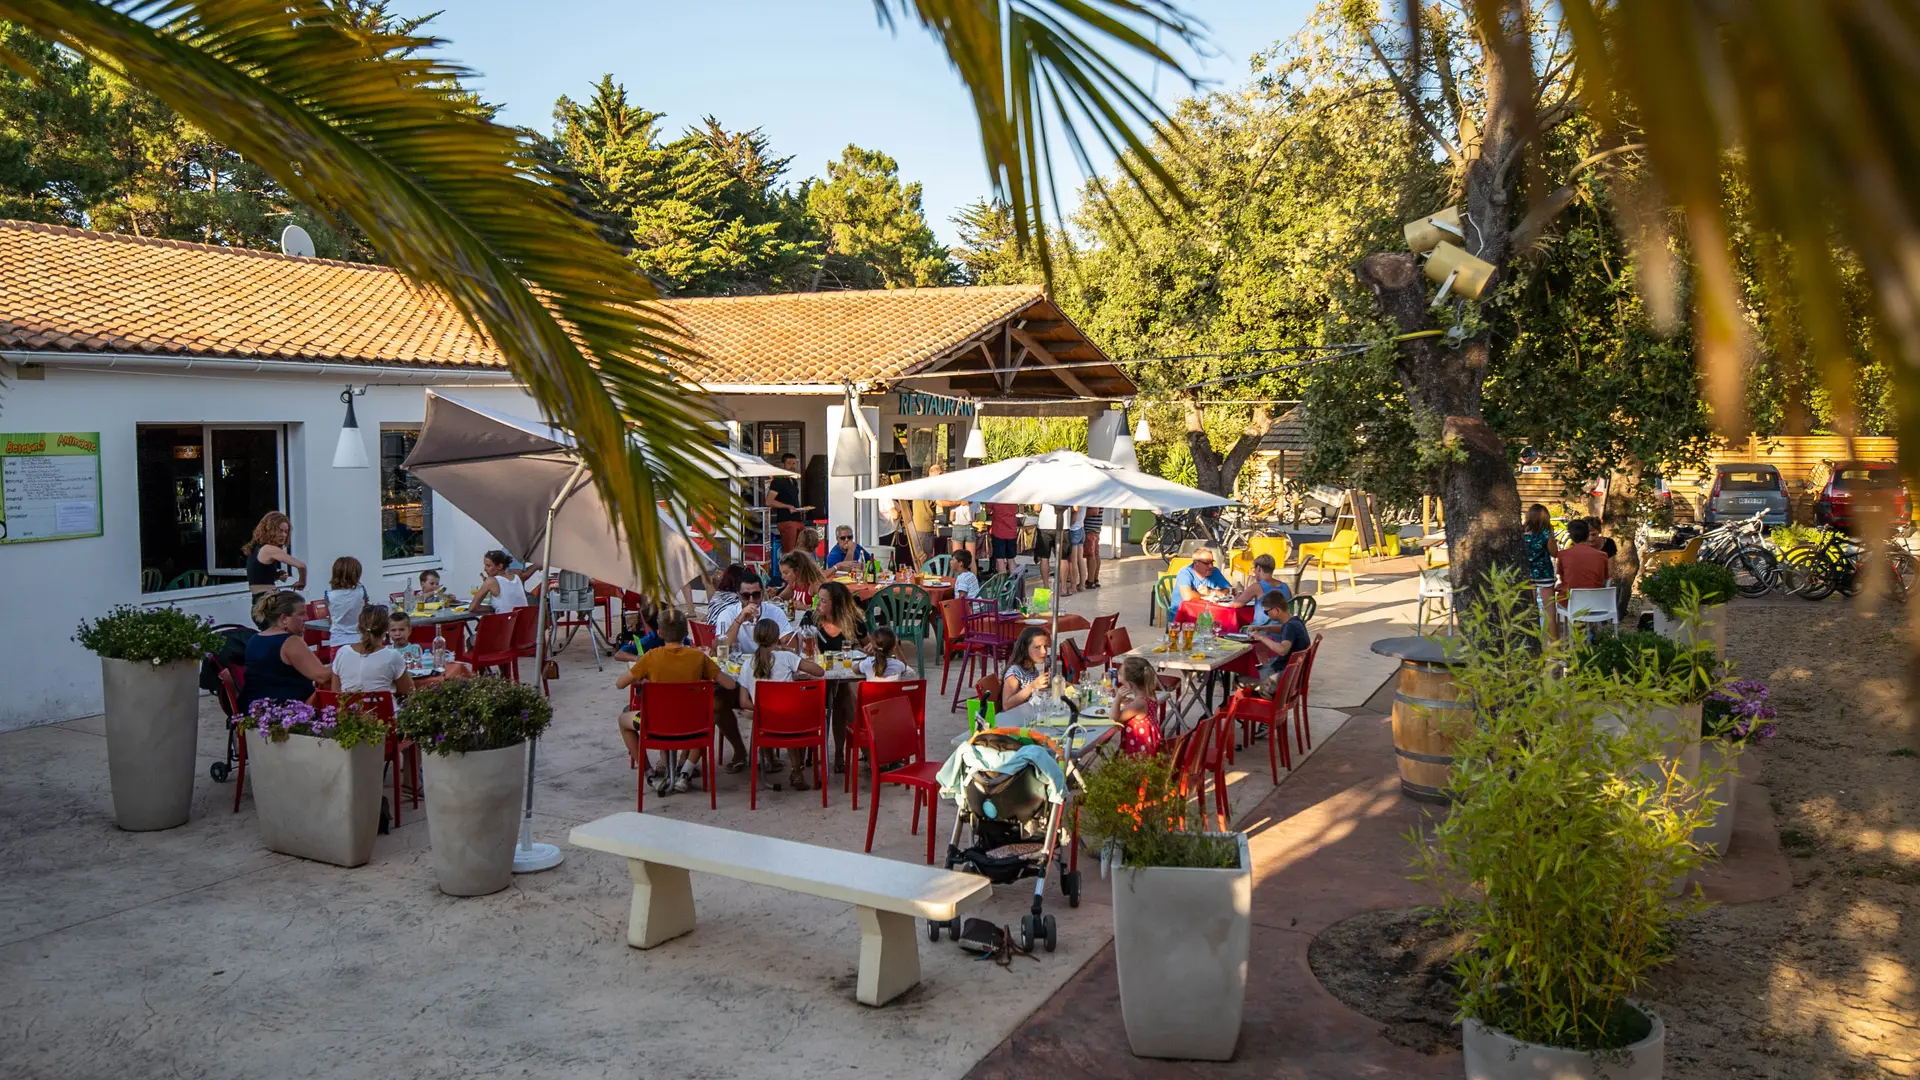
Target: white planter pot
{"points": [[473, 817], [1679, 736], [1712, 627], [1493, 1055], [153, 727], [315, 800], [1719, 754], [1180, 942]]}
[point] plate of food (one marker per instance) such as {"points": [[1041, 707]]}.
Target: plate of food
{"points": [[1097, 712]]}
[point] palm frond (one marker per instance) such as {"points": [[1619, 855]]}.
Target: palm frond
{"points": [[1031, 64], [369, 122]]}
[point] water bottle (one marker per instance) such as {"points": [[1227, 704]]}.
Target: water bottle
{"points": [[439, 650]]}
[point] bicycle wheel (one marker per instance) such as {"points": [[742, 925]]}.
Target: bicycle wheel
{"points": [[1803, 573], [1753, 572], [1163, 539], [1901, 569]]}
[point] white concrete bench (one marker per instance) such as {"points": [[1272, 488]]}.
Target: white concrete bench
{"points": [[888, 894]]}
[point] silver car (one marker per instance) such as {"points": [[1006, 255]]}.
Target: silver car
{"points": [[1742, 490]]}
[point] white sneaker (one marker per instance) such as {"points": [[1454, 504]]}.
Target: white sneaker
{"points": [[682, 783]]}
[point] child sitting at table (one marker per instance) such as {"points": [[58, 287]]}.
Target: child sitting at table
{"points": [[966, 584], [880, 664], [371, 665], [1282, 629], [400, 634], [430, 587], [1136, 706]]}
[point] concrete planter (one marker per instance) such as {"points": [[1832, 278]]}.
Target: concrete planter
{"points": [[315, 800], [473, 817], [1494, 1055], [153, 727], [1713, 628], [1719, 754], [1180, 941], [1679, 735]]}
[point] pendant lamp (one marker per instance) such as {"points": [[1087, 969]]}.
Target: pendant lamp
{"points": [[351, 451]]}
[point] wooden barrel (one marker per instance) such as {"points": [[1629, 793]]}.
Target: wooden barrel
{"points": [[1426, 704]]}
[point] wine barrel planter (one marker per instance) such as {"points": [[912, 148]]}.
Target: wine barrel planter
{"points": [[1426, 706]]}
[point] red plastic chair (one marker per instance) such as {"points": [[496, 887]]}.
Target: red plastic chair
{"points": [[703, 634], [493, 645], [526, 637], [953, 627], [603, 597], [1297, 701], [677, 716], [892, 736], [317, 639], [1119, 643], [868, 692], [1183, 759], [1099, 650], [402, 755], [788, 716], [230, 682], [985, 639], [1255, 712], [1072, 663]]}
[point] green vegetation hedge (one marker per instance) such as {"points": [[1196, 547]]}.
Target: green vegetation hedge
{"points": [[1673, 587], [149, 635], [1654, 661], [471, 715]]}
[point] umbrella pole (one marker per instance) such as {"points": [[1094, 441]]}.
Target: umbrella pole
{"points": [[1053, 602], [529, 857]]}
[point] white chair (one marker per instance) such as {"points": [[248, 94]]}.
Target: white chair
{"points": [[1435, 588], [1591, 607]]}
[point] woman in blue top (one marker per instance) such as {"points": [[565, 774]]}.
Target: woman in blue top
{"points": [[1540, 546], [280, 667]]}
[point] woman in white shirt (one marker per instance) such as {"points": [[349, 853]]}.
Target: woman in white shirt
{"points": [[346, 599], [371, 665], [500, 590], [880, 664], [768, 664]]}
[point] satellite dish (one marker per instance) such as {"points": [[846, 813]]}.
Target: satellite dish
{"points": [[295, 241]]}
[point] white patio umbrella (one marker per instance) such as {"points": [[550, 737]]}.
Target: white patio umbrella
{"points": [[1060, 478], [525, 483]]}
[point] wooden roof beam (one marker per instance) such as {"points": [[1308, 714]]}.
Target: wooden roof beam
{"points": [[1033, 344]]}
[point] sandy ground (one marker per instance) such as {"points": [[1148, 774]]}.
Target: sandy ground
{"points": [[1817, 983]]}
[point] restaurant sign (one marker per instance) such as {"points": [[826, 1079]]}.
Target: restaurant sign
{"points": [[921, 403], [49, 486]]}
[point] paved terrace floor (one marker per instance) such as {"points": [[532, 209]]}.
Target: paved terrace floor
{"points": [[196, 952]]}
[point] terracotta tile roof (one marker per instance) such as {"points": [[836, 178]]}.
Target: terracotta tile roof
{"points": [[70, 290], [839, 336]]}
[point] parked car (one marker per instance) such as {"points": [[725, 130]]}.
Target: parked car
{"points": [[1742, 490], [1845, 492]]}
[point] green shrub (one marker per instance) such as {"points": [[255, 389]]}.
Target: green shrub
{"points": [[1787, 537], [1133, 805], [1565, 838], [1676, 586], [1654, 661], [467, 716], [152, 635]]}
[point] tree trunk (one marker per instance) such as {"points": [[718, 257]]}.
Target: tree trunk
{"points": [[1620, 516], [1217, 473]]}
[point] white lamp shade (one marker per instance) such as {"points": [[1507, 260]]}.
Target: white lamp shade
{"points": [[351, 451], [849, 448], [1123, 454], [976, 447], [1141, 432]]}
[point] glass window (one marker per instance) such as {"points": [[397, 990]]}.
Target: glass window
{"points": [[1749, 480], [406, 504], [779, 438], [1859, 477], [202, 491]]}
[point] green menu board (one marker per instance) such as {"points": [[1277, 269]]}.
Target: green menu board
{"points": [[49, 486]]}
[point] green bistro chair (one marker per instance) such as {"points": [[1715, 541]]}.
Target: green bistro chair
{"points": [[1007, 593], [1303, 606], [939, 566], [150, 579], [191, 579], [1162, 598], [908, 611]]}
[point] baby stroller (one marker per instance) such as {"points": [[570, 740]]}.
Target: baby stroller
{"points": [[230, 659], [1012, 786]]}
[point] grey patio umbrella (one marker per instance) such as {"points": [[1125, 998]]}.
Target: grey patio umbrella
{"points": [[1059, 478], [525, 483]]}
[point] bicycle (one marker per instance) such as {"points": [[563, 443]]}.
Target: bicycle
{"points": [[1839, 563]]}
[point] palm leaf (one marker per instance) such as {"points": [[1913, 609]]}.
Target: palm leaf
{"points": [[1029, 64], [366, 121]]}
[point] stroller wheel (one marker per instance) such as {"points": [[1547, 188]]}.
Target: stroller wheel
{"points": [[1047, 932], [933, 930], [1028, 931], [219, 771], [1070, 884]]}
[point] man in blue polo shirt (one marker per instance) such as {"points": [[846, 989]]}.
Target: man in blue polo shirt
{"points": [[845, 549], [1200, 580]]}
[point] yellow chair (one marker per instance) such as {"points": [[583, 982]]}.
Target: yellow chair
{"points": [[1241, 564], [1277, 546], [1174, 566], [1437, 555], [1657, 559], [1335, 554]]}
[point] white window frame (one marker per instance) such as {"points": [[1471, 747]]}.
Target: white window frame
{"points": [[220, 576]]}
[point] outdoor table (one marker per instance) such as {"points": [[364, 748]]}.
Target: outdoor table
{"points": [[1196, 675], [1226, 617], [1425, 701], [863, 591], [442, 617], [1068, 623]]}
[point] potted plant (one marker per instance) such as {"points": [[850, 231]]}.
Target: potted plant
{"points": [[316, 779], [1734, 715], [473, 735], [1690, 601], [1182, 912], [1679, 677], [149, 674], [1559, 856]]}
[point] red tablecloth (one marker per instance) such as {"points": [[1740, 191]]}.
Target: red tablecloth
{"points": [[1225, 617]]}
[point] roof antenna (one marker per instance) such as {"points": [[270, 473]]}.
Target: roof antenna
{"points": [[295, 241]]}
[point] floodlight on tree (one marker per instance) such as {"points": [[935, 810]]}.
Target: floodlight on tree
{"points": [[1457, 273], [1425, 233]]}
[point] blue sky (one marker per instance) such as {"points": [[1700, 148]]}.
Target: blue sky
{"points": [[815, 74]]}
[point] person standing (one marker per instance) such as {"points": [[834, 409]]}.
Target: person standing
{"points": [[783, 495], [346, 598], [268, 560], [1091, 549], [1541, 550], [1072, 558], [1004, 528], [923, 517]]}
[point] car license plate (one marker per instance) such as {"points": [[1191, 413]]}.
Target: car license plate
{"points": [[1751, 502]]}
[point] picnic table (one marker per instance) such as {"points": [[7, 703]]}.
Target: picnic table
{"points": [[1196, 668]]}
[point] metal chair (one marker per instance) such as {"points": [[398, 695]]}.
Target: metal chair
{"points": [[986, 639], [572, 602]]}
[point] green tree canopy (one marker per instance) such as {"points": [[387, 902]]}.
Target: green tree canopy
{"points": [[872, 230]]}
